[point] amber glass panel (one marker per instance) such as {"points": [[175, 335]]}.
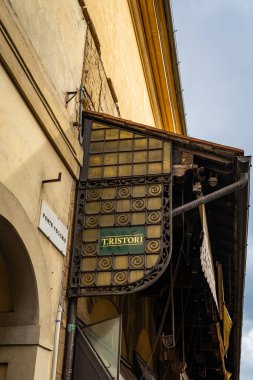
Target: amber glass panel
{"points": [[152, 260], [98, 126], [125, 170], [120, 262], [90, 235], [89, 264], [123, 205], [96, 160], [95, 172], [111, 146], [125, 158], [155, 168], [97, 135], [155, 144], [140, 144], [139, 191], [126, 135], [125, 145], [104, 278], [96, 147], [107, 220], [155, 155], [112, 134], [154, 231], [166, 158], [92, 207], [136, 275], [154, 203], [139, 169], [110, 158], [110, 171], [140, 156], [109, 193], [138, 218]]}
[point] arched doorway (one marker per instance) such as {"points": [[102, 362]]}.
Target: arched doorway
{"points": [[19, 308]]}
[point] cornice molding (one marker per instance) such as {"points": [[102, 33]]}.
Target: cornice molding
{"points": [[156, 50]]}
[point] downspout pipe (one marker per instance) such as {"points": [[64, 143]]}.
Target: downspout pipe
{"points": [[244, 164], [56, 342]]}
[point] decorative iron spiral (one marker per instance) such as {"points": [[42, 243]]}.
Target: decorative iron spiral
{"points": [[94, 194], [90, 249], [120, 277], [138, 204], [154, 217], [137, 261], [124, 192], [108, 206], [105, 263], [153, 245], [154, 189], [92, 221], [123, 219], [88, 279]]}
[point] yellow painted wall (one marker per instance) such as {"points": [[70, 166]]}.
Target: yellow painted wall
{"points": [[121, 58]]}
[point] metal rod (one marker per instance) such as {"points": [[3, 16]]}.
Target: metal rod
{"points": [[211, 197], [58, 179], [70, 340]]}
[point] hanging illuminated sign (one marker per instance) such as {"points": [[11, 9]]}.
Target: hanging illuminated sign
{"points": [[122, 238]]}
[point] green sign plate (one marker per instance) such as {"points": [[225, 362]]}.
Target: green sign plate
{"points": [[121, 240]]}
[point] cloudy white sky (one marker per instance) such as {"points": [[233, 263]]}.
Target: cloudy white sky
{"points": [[215, 46]]}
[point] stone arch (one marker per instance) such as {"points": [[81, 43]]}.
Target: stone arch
{"points": [[19, 305]]}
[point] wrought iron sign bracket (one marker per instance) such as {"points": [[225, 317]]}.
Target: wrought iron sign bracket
{"points": [[58, 179]]}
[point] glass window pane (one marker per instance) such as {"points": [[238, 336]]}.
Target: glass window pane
{"points": [[110, 171], [125, 170], [96, 160], [139, 191], [107, 220], [125, 145], [154, 203], [112, 134], [153, 231], [89, 264], [125, 158], [140, 156], [140, 144], [109, 193], [138, 218], [96, 147], [95, 172], [92, 207], [139, 169], [155, 155], [123, 205], [155, 168], [126, 134], [110, 158], [98, 126], [136, 275], [155, 144], [166, 158], [120, 262], [111, 146], [90, 235], [152, 260], [104, 278], [97, 135]]}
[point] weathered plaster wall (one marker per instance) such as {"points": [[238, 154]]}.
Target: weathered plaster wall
{"points": [[57, 31], [121, 58]]}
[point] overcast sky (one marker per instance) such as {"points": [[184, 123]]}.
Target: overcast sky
{"points": [[214, 39]]}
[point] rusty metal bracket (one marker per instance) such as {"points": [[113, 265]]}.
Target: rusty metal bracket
{"points": [[53, 180]]}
